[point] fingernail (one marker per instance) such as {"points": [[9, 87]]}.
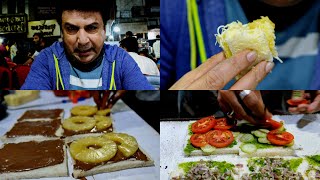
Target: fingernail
{"points": [[269, 67], [251, 56]]}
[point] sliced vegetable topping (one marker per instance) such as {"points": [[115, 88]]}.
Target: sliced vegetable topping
{"points": [[247, 138], [203, 125], [248, 148], [296, 103], [198, 140], [222, 124], [279, 137], [274, 124], [220, 138]]}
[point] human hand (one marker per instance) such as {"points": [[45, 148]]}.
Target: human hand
{"points": [[217, 71], [313, 107], [104, 100], [255, 112]]}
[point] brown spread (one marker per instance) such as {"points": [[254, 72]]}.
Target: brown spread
{"points": [[36, 114], [93, 130], [31, 155], [138, 155], [46, 128]]}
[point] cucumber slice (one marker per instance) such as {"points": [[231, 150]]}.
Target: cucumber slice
{"points": [[208, 149], [236, 134], [264, 130], [290, 144], [248, 148], [259, 134], [281, 129], [247, 138], [263, 140]]}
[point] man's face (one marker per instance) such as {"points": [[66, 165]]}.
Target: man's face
{"points": [[36, 39], [83, 34]]}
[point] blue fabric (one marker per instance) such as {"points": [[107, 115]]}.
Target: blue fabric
{"points": [[127, 76], [94, 74], [295, 73]]}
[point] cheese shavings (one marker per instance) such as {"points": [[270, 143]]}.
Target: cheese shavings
{"points": [[258, 36]]}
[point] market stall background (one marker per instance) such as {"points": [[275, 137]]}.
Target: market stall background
{"points": [[125, 120], [173, 139]]}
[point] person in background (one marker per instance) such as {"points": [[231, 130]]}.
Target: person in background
{"points": [[83, 60], [13, 49], [3, 48], [146, 65], [297, 39], [129, 34], [156, 48]]}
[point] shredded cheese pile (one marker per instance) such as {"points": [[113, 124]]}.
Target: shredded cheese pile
{"points": [[257, 35]]}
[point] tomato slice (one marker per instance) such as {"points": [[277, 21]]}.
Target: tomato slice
{"points": [[221, 124], [198, 140], [279, 138], [296, 103], [220, 138], [274, 124], [203, 125]]}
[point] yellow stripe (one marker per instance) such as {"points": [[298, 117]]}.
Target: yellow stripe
{"points": [[112, 82], [202, 50], [193, 53], [58, 74]]}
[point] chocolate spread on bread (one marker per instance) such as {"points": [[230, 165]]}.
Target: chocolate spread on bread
{"points": [[25, 128], [38, 114], [31, 155]]}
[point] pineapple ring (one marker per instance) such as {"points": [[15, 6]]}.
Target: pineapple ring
{"points": [[79, 123], [93, 149], [128, 144], [103, 112], [84, 110], [102, 122]]}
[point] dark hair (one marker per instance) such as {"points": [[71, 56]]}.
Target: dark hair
{"points": [[40, 35], [129, 33], [101, 6], [158, 36], [130, 43]]}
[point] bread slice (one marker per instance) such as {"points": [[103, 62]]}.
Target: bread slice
{"points": [[109, 166], [59, 170], [270, 152], [42, 115], [31, 130], [226, 150]]}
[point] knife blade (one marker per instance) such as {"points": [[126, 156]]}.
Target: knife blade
{"points": [[305, 120]]}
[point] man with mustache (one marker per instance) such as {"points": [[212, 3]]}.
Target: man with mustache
{"points": [[83, 60]]}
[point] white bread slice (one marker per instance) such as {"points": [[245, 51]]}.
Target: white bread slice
{"points": [[60, 116], [226, 150], [6, 139], [270, 152], [109, 167], [59, 170]]}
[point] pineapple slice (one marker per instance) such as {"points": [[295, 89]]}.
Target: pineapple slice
{"points": [[93, 149], [102, 122], [103, 112], [258, 35], [128, 144], [79, 123], [84, 110]]}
